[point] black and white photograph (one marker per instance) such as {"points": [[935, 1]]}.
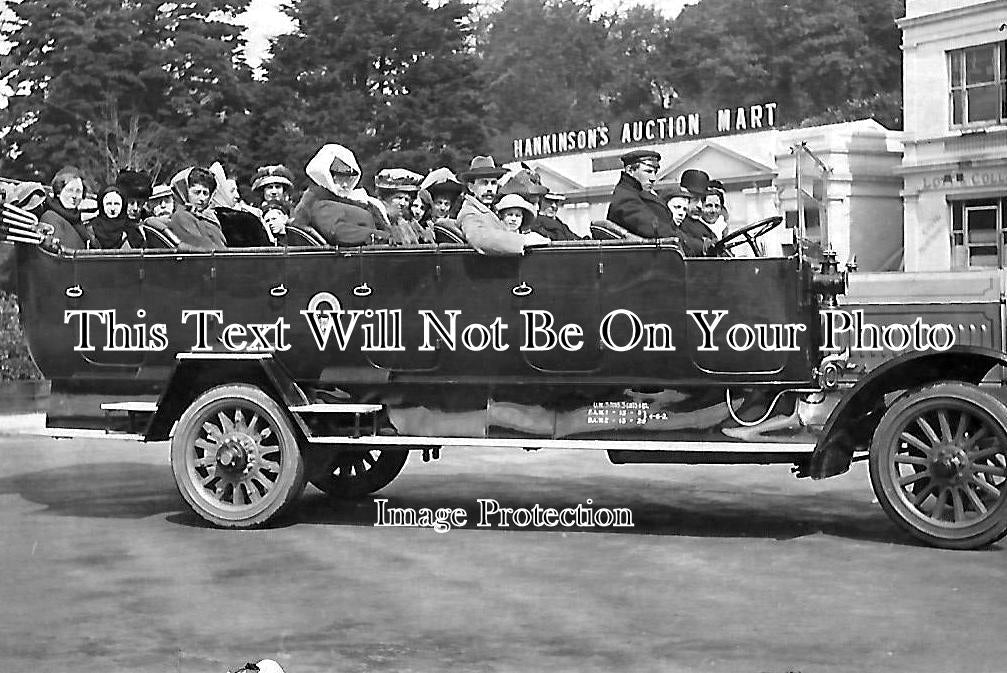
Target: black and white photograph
{"points": [[503, 336]]}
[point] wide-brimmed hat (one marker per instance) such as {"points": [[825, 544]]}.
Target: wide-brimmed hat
{"points": [[160, 192], [272, 175], [514, 201], [442, 181], [398, 180], [695, 181], [553, 196], [482, 167], [134, 185], [525, 183]]}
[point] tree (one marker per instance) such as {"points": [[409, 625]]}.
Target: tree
{"points": [[809, 55], [392, 79], [171, 66], [641, 83], [545, 66]]}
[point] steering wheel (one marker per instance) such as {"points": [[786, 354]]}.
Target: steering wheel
{"points": [[747, 234]]}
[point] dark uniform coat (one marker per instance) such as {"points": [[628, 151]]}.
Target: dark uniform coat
{"points": [[695, 231], [640, 211], [646, 214]]}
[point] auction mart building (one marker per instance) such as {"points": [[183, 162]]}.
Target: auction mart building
{"points": [[931, 198], [747, 150]]}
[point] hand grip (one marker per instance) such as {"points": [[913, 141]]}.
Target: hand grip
{"points": [[522, 290]]}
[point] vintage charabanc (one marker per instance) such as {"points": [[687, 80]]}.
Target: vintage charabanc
{"points": [[271, 367]]}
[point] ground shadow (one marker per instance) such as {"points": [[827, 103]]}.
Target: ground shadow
{"points": [[664, 508], [687, 508], [102, 490]]}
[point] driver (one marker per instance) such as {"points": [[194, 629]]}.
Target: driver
{"points": [[696, 183]]}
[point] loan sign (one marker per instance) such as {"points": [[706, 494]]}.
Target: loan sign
{"points": [[724, 121]]}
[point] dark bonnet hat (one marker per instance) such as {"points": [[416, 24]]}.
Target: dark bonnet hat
{"points": [[134, 185]]}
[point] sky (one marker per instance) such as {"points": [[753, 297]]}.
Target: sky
{"points": [[264, 19]]}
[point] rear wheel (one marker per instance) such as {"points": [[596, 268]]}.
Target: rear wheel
{"points": [[353, 474], [235, 457], [938, 465]]}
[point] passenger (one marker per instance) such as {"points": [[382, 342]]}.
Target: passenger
{"points": [[396, 189], [422, 210], [135, 188], [161, 205], [61, 217], [276, 216], [274, 183], [480, 225], [445, 191], [241, 223], [112, 227], [714, 212], [516, 213], [194, 222], [697, 184], [341, 214], [678, 204], [551, 203]]}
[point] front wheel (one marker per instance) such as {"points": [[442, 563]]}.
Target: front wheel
{"points": [[938, 465], [235, 457]]}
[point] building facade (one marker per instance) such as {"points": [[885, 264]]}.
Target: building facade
{"points": [[849, 186], [955, 110]]}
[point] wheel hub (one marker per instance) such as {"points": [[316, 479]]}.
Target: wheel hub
{"points": [[236, 454], [950, 464]]}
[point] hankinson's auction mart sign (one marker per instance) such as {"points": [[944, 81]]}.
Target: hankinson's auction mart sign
{"points": [[658, 129]]}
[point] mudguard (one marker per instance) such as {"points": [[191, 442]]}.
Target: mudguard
{"points": [[852, 423], [194, 373]]}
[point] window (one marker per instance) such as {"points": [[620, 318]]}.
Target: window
{"points": [[600, 164], [977, 234], [978, 92]]}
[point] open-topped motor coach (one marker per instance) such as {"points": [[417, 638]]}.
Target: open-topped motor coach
{"points": [[267, 368]]}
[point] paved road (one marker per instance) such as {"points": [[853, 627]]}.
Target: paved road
{"points": [[728, 569]]}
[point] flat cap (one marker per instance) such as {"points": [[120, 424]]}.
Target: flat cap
{"points": [[636, 156]]}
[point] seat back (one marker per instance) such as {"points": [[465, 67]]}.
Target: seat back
{"points": [[156, 240], [301, 237], [606, 230], [448, 232]]}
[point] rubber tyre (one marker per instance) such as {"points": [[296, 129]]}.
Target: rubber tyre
{"points": [[891, 455], [276, 474], [354, 474]]}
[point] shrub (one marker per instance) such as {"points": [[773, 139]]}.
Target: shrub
{"points": [[15, 362]]}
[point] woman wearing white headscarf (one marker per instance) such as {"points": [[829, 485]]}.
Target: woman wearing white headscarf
{"points": [[332, 206]]}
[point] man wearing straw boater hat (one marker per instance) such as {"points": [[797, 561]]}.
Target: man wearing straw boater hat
{"points": [[482, 228]]}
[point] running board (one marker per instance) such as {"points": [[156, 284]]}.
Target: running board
{"points": [[138, 407], [325, 408], [591, 444], [82, 433]]}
